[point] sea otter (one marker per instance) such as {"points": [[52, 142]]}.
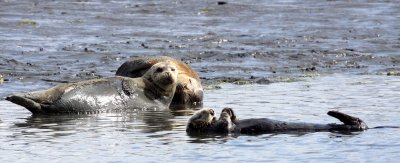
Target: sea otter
{"points": [[203, 121]]}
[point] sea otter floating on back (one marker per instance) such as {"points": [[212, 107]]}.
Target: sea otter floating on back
{"points": [[203, 121]]}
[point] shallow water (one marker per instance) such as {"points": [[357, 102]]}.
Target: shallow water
{"points": [[160, 135], [46, 42]]}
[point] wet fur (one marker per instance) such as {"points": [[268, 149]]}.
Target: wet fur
{"points": [[120, 93], [201, 121], [228, 123]]}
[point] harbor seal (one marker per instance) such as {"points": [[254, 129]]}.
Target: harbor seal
{"points": [[188, 90], [154, 89], [204, 121]]}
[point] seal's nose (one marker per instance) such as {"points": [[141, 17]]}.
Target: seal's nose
{"points": [[199, 96], [212, 112], [168, 75]]}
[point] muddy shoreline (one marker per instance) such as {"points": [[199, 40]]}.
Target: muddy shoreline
{"points": [[44, 43]]}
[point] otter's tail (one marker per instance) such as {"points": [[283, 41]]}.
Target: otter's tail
{"points": [[350, 122], [25, 101]]}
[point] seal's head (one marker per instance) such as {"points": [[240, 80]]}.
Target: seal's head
{"points": [[188, 91], [201, 120], [163, 75]]}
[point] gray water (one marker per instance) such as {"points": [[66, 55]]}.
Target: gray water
{"points": [[42, 41], [312, 52], [148, 136]]}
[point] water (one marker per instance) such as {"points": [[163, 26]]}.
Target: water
{"points": [[148, 136], [43, 43]]}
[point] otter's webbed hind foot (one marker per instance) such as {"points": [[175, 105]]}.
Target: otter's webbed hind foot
{"points": [[350, 122]]}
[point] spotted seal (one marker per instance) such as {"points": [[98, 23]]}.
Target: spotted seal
{"points": [[154, 89], [188, 90], [203, 121]]}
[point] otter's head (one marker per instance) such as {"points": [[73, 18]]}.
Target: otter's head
{"points": [[228, 112], [226, 121], [201, 120], [163, 74], [188, 91]]}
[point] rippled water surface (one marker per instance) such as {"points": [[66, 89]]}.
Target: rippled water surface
{"points": [[74, 40], [43, 43], [160, 135]]}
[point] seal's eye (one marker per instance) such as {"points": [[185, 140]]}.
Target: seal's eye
{"points": [[159, 69], [172, 69]]}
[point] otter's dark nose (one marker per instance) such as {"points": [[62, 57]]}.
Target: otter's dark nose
{"points": [[212, 112]]}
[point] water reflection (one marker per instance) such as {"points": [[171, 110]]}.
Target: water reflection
{"points": [[210, 138], [51, 121], [222, 138], [157, 120], [142, 121]]}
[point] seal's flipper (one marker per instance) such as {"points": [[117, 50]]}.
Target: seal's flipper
{"points": [[138, 67], [29, 104], [134, 68], [38, 101]]}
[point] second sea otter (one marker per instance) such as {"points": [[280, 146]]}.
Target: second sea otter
{"points": [[204, 121]]}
